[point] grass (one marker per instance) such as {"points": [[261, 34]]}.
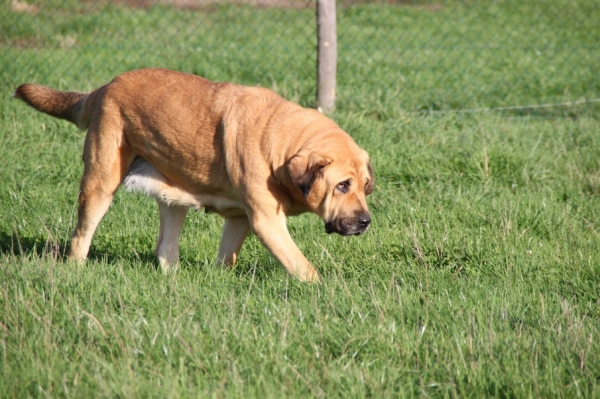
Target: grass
{"points": [[479, 277]]}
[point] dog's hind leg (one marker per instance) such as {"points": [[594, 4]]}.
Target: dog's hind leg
{"points": [[171, 223], [106, 159], [235, 231]]}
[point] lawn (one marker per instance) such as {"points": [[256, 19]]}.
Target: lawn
{"points": [[479, 277]]}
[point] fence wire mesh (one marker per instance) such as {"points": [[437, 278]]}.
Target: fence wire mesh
{"points": [[393, 56]]}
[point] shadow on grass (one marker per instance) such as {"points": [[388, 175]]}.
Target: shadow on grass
{"points": [[13, 244]]}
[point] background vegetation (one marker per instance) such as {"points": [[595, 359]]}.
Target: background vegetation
{"points": [[480, 274]]}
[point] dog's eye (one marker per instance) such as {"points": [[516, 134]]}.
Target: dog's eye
{"points": [[343, 186]]}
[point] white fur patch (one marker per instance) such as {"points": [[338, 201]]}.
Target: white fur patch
{"points": [[143, 178]]}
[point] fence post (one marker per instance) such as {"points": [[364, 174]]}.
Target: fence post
{"points": [[326, 55]]}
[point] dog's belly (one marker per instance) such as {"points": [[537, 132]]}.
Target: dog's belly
{"points": [[143, 178]]}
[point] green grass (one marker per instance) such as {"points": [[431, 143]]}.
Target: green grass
{"points": [[480, 276]]}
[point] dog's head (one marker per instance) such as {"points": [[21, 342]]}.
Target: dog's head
{"points": [[334, 181]]}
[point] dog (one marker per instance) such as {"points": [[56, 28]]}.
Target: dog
{"points": [[242, 152]]}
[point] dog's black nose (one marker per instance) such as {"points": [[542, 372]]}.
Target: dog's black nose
{"points": [[364, 220]]}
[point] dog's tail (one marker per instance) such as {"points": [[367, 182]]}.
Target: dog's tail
{"points": [[73, 106]]}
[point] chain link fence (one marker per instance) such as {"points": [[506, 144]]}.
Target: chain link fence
{"points": [[473, 55], [394, 56]]}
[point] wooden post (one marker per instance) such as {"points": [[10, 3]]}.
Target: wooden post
{"points": [[326, 56]]}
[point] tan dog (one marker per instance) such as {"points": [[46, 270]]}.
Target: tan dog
{"points": [[244, 153]]}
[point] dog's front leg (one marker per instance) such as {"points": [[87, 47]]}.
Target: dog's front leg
{"points": [[235, 231], [273, 233]]}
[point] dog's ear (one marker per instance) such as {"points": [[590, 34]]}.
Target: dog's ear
{"points": [[304, 169], [371, 184]]}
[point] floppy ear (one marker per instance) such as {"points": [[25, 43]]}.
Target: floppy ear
{"points": [[303, 170], [369, 187]]}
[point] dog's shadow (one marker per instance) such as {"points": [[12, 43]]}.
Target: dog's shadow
{"points": [[14, 245]]}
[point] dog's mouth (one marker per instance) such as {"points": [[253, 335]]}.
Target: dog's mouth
{"points": [[353, 226]]}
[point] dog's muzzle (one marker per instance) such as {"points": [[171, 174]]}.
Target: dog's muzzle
{"points": [[348, 226]]}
